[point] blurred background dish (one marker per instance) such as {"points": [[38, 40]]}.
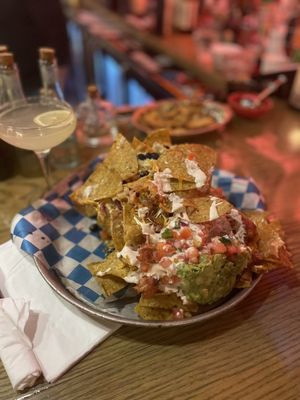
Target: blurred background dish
{"points": [[235, 100], [182, 117]]}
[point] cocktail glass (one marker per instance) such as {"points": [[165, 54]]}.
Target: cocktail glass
{"points": [[38, 124]]}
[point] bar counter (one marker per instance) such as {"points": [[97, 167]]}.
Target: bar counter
{"points": [[253, 351]]}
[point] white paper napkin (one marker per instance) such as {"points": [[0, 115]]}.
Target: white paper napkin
{"points": [[15, 347], [58, 333]]}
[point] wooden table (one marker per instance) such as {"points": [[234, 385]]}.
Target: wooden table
{"points": [[250, 353]]}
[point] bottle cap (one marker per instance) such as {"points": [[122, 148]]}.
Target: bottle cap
{"points": [[3, 48], [7, 60], [47, 54], [93, 91]]}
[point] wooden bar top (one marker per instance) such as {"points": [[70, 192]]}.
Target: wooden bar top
{"points": [[250, 353]]}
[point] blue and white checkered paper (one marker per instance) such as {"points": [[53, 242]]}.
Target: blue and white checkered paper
{"points": [[52, 230]]}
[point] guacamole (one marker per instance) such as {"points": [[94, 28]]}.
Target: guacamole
{"points": [[212, 278]]}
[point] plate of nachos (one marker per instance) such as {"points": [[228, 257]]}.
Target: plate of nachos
{"points": [[177, 251]]}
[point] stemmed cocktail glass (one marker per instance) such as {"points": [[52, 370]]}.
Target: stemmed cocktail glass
{"points": [[37, 123]]}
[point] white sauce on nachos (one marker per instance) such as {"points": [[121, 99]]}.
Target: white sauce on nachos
{"points": [[193, 169]]}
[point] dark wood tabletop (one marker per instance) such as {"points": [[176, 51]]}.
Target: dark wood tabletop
{"points": [[253, 351]]}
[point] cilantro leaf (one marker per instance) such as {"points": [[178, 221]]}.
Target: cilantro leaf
{"points": [[167, 234], [225, 240]]}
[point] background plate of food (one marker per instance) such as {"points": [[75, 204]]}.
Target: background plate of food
{"points": [[148, 238], [183, 117]]}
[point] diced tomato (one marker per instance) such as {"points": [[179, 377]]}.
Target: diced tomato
{"points": [[163, 249], [185, 233], [250, 227], [232, 249], [144, 267], [170, 280], [192, 156], [177, 244], [192, 255], [146, 254], [218, 247], [218, 192], [147, 285], [165, 262], [176, 235]]}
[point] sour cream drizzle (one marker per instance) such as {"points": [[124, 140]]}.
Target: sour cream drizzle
{"points": [[176, 201], [129, 254], [196, 172], [213, 212], [162, 181]]}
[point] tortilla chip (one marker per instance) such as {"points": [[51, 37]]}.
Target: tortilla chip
{"points": [[161, 136], [161, 300], [174, 159], [271, 247], [111, 265], [198, 209], [132, 231], [110, 284], [116, 228], [101, 184], [122, 158], [161, 305], [153, 314], [245, 280], [90, 210], [139, 185], [179, 185], [138, 145], [104, 210]]}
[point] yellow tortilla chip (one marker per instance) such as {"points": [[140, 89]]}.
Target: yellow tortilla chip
{"points": [[161, 300], [138, 145], [132, 231], [110, 284], [109, 273], [160, 306], [153, 314], [161, 136], [175, 158], [122, 158], [198, 209], [180, 185], [270, 243], [101, 184], [111, 265], [116, 228], [245, 280]]}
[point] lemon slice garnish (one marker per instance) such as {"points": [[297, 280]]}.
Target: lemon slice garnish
{"points": [[49, 118]]}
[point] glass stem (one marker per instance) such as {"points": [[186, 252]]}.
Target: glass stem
{"points": [[44, 162]]}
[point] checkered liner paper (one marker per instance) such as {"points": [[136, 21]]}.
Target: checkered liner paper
{"points": [[52, 230]]}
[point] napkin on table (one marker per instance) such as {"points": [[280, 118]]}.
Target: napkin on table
{"points": [[39, 332]]}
